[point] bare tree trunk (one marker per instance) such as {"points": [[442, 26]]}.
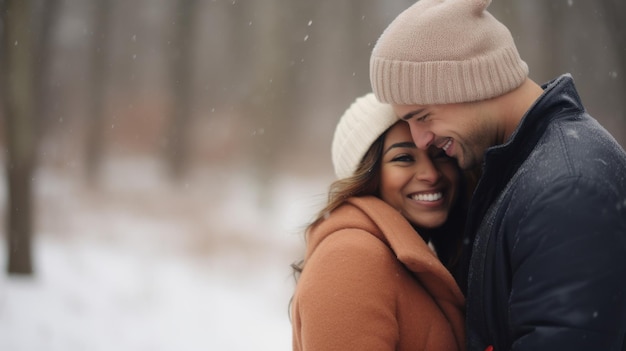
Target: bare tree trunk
{"points": [[19, 108], [363, 26], [97, 84], [181, 82], [615, 11], [49, 21], [268, 105]]}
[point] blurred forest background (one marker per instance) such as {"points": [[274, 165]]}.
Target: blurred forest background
{"points": [[207, 91], [244, 86]]}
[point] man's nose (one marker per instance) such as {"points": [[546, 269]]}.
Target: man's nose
{"points": [[421, 136]]}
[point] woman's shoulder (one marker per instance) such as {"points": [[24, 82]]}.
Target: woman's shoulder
{"points": [[349, 260], [349, 236], [348, 215], [357, 240]]}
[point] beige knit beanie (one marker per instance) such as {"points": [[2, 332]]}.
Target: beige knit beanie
{"points": [[445, 51], [361, 124]]}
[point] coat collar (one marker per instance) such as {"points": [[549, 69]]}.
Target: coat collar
{"points": [[373, 215]]}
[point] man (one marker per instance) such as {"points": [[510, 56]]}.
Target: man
{"points": [[545, 263]]}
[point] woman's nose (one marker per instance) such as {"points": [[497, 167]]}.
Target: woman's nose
{"points": [[427, 171]]}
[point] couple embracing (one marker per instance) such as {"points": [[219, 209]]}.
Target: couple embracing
{"points": [[474, 209]]}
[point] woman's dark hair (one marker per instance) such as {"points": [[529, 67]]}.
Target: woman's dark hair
{"points": [[448, 238], [365, 181]]}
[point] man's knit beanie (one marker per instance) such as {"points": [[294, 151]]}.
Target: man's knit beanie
{"points": [[443, 52], [361, 124]]}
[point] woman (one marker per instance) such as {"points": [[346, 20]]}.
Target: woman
{"points": [[369, 279]]}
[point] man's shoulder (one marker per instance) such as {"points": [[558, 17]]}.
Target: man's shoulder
{"points": [[577, 147], [572, 153]]}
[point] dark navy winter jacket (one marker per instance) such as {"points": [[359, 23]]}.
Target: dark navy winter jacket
{"points": [[548, 262]]}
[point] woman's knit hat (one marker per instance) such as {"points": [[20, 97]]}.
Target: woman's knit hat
{"points": [[361, 124], [443, 52]]}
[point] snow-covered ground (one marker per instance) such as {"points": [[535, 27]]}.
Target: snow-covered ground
{"points": [[145, 265]]}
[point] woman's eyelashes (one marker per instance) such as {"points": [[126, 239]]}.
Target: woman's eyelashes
{"points": [[403, 158]]}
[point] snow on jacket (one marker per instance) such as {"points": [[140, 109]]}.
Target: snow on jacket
{"points": [[548, 266], [370, 282]]}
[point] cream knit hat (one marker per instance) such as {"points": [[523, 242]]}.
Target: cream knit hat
{"points": [[445, 51], [362, 123]]}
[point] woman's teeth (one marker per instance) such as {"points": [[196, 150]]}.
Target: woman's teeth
{"points": [[447, 145], [427, 197]]}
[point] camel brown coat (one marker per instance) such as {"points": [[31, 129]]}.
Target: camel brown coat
{"points": [[370, 282]]}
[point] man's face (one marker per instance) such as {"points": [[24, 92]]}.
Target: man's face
{"points": [[464, 131]]}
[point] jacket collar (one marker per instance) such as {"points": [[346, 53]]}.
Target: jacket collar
{"points": [[559, 100]]}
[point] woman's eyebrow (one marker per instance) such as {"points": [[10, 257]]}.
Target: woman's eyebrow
{"points": [[408, 144]]}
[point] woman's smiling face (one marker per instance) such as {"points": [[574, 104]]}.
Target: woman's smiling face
{"points": [[421, 184]]}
